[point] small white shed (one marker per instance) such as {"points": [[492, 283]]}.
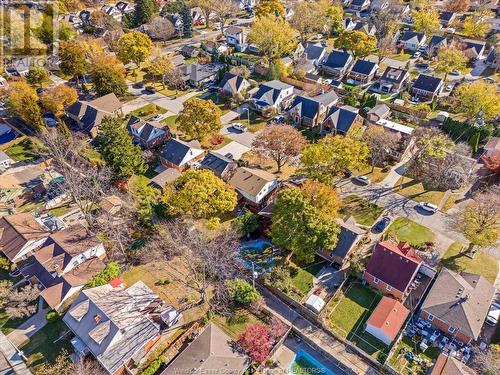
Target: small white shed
{"points": [[315, 303]]}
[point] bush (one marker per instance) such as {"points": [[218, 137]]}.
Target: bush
{"points": [[213, 223], [111, 271], [247, 223], [242, 292], [4, 264], [52, 316], [153, 367], [463, 132]]}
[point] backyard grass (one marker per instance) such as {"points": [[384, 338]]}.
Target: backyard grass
{"points": [[256, 123], [402, 365], [363, 211], [93, 156], [61, 210], [407, 230], [350, 311], [46, 345], [258, 161], [207, 143], [482, 264], [236, 324], [414, 189], [21, 152], [377, 175], [302, 277], [401, 56], [8, 325], [148, 111]]}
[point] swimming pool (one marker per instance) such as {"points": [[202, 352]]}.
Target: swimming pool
{"points": [[260, 253], [306, 364]]}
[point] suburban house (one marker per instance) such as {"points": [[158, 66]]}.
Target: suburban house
{"points": [[337, 63], [234, 36], [273, 96], [378, 5], [339, 120], [148, 134], [113, 324], [351, 24], [254, 185], [457, 304], [359, 5], [349, 237], [22, 184], [197, 74], [474, 49], [386, 320], [392, 80], [403, 134], [20, 235], [311, 111], [89, 115], [363, 71], [125, 7], [493, 58], [5, 161], [113, 11], [180, 155], [214, 48], [392, 268], [222, 166], [165, 177], [448, 365], [65, 262], [233, 85], [311, 57], [426, 88], [446, 18], [212, 349], [411, 40], [435, 44], [379, 112]]}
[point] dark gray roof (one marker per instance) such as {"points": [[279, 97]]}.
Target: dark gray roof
{"points": [[436, 40], [337, 59], [349, 236], [313, 51], [408, 35], [392, 74], [236, 80], [307, 107], [341, 118], [217, 163], [196, 72], [271, 91], [427, 83], [147, 127], [175, 150], [364, 67], [446, 16], [477, 45]]}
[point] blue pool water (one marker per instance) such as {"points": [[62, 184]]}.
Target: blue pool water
{"points": [[306, 364], [260, 253]]}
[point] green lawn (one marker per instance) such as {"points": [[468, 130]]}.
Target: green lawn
{"points": [[364, 211], [402, 365], [236, 323], [482, 264], [350, 311], [406, 230], [148, 111], [257, 122], [220, 102], [377, 175], [414, 189], [62, 210], [93, 156], [22, 151], [45, 345]]}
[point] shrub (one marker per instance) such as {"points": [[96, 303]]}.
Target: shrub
{"points": [[242, 292], [52, 316], [247, 223], [153, 367], [216, 140], [256, 341], [213, 223], [111, 271], [4, 264]]}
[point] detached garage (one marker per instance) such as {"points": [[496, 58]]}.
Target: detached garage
{"points": [[386, 320]]}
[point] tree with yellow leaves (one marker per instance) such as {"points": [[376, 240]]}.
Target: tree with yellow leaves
{"points": [[450, 58], [23, 102], [426, 19], [57, 98], [478, 24]]}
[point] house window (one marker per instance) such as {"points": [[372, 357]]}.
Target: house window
{"points": [[389, 288], [375, 280], [452, 329], [430, 318]]}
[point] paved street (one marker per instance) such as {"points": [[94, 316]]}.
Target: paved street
{"points": [[10, 360]]}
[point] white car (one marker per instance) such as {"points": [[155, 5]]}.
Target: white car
{"points": [[493, 314], [240, 127], [429, 207], [363, 179]]}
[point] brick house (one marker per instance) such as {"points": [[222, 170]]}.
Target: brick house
{"points": [[180, 155], [311, 112], [392, 268]]}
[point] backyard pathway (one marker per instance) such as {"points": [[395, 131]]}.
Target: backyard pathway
{"points": [[28, 328], [10, 359]]}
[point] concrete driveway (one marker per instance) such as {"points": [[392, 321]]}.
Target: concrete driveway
{"points": [[245, 138], [234, 148]]}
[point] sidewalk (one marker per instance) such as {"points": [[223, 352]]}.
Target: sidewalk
{"points": [[395, 174], [28, 328], [12, 359]]}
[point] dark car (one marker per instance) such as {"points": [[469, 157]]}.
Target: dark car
{"points": [[150, 90], [422, 65], [381, 225], [138, 85]]}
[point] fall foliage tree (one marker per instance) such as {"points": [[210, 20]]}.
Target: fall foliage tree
{"points": [[479, 96], [73, 57], [426, 19], [160, 66], [256, 341], [223, 11], [199, 118], [57, 98], [241, 70], [37, 75], [205, 8], [109, 80], [160, 29], [332, 156], [357, 42], [134, 47], [335, 14], [22, 101], [477, 24], [450, 58], [310, 17], [201, 194], [273, 37], [457, 6], [270, 7], [280, 143]]}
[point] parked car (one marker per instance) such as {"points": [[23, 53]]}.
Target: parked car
{"points": [[489, 80], [381, 225], [417, 54], [493, 314], [157, 117], [138, 85], [150, 90], [422, 65], [363, 179], [448, 88], [429, 207], [455, 72], [240, 127], [280, 119]]}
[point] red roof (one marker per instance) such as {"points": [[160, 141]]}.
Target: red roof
{"points": [[116, 282], [394, 264], [388, 316]]}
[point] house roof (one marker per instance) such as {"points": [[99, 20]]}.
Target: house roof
{"points": [[380, 110], [250, 181], [396, 75], [73, 240], [179, 152], [25, 175], [337, 59], [364, 67], [389, 316], [16, 230], [349, 236], [493, 144], [460, 299], [109, 202], [233, 30], [235, 82], [450, 366], [168, 176], [216, 162], [437, 40], [427, 83], [212, 349], [476, 46], [306, 107], [313, 51], [121, 315], [197, 72], [446, 16], [393, 264], [148, 130], [395, 126], [412, 35], [92, 113], [270, 91], [341, 118]]}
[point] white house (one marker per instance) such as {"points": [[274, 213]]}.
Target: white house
{"points": [[234, 36], [412, 40], [273, 95], [254, 185]]}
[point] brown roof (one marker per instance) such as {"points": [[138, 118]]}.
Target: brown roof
{"points": [[107, 103], [110, 203], [493, 144], [74, 240], [450, 366], [389, 316], [251, 181], [16, 230], [462, 300]]}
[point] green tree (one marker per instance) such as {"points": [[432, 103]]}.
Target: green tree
{"points": [[301, 225], [134, 47], [66, 31], [332, 156], [73, 57], [357, 42], [426, 19], [479, 96], [201, 194], [111, 271], [22, 101], [450, 58], [187, 22], [118, 151], [160, 66], [474, 142], [146, 198], [199, 118], [270, 7], [335, 14], [109, 80], [37, 75], [478, 24], [144, 11], [242, 292], [247, 223]]}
